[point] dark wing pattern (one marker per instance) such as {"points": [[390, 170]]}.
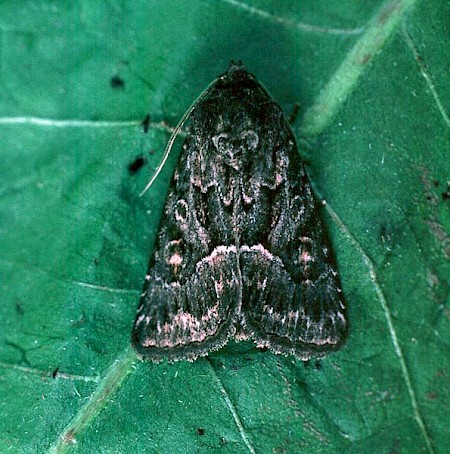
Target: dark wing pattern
{"points": [[291, 298], [192, 289], [241, 249]]}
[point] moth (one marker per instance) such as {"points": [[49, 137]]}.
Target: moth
{"points": [[241, 252]]}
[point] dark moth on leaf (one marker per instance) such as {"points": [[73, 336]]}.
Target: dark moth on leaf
{"points": [[241, 251]]}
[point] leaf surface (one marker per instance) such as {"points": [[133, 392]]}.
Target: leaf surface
{"points": [[77, 81]]}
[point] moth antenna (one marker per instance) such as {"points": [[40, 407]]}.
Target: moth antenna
{"points": [[175, 133]]}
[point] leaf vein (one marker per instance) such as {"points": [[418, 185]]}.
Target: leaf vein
{"points": [[98, 400], [43, 373], [74, 123], [233, 411], [344, 80], [104, 288], [291, 23], [392, 331], [426, 75]]}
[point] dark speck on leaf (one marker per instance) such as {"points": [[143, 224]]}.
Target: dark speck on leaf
{"points": [[146, 123], [117, 82], [294, 113], [55, 372], [200, 431], [136, 164], [19, 308]]}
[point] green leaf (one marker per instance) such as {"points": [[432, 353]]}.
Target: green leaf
{"points": [[77, 80]]}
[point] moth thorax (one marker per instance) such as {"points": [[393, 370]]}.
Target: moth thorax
{"points": [[236, 148]]}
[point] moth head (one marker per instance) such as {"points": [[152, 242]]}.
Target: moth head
{"points": [[236, 77]]}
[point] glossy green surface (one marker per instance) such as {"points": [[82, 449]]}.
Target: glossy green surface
{"points": [[75, 236]]}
